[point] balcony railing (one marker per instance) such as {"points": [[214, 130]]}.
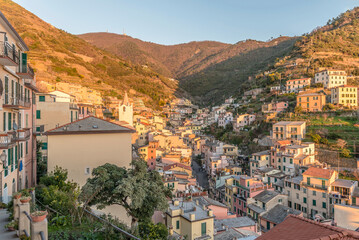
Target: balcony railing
{"points": [[317, 186], [17, 101], [8, 54], [25, 71], [30, 82], [73, 106], [23, 134], [7, 139]]}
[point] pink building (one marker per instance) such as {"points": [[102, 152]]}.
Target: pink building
{"points": [[247, 187], [220, 211]]}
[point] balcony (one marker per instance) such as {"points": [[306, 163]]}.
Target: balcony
{"points": [[16, 102], [25, 71], [23, 134], [74, 106], [317, 186], [7, 140], [31, 83], [8, 54]]}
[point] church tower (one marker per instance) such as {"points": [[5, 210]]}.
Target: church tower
{"points": [[125, 111]]}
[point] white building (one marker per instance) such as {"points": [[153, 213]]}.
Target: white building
{"points": [[331, 78], [125, 111]]}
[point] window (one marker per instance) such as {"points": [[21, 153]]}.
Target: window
{"points": [[324, 195], [41, 98], [308, 180], [203, 228], [38, 114], [177, 224], [323, 183], [268, 225], [27, 147], [304, 190], [44, 146], [304, 199], [297, 195], [87, 171], [314, 193], [314, 203], [324, 204]]}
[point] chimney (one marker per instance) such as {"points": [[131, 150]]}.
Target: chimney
{"points": [[175, 202], [197, 202], [171, 230], [192, 217], [210, 213]]}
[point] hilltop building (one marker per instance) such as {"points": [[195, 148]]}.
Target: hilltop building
{"points": [[331, 78]]}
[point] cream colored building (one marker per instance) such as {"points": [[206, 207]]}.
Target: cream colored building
{"points": [[17, 107], [289, 130], [331, 78], [296, 85], [345, 95], [258, 160], [53, 109], [89, 143], [190, 219]]}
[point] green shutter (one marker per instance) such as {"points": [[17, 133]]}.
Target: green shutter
{"points": [[16, 156], [4, 121], [9, 121], [44, 146], [41, 98], [203, 228], [177, 224], [72, 117], [27, 147], [24, 62], [38, 114], [6, 90]]}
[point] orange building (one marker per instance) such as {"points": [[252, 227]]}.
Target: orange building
{"points": [[311, 102]]}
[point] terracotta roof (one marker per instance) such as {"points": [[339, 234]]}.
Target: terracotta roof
{"points": [[299, 228], [284, 142], [168, 167], [319, 172]]}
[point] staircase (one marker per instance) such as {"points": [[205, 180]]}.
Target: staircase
{"points": [[4, 233]]}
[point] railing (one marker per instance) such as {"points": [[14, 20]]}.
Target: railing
{"points": [[7, 138], [17, 100], [6, 50], [23, 134], [26, 68], [318, 186], [73, 106], [31, 82]]}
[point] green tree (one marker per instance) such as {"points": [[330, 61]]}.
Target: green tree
{"points": [[148, 230], [138, 190], [345, 152]]}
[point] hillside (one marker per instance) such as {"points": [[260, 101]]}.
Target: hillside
{"points": [[171, 60], [58, 56], [335, 46], [200, 67]]}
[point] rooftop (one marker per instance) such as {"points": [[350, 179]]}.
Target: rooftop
{"points": [[265, 196], [90, 125], [278, 213], [289, 123], [296, 180], [261, 153], [344, 183], [208, 201], [238, 222], [255, 208], [298, 228], [190, 207], [319, 172]]}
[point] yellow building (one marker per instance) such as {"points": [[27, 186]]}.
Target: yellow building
{"points": [[190, 219], [18, 84], [345, 95]]}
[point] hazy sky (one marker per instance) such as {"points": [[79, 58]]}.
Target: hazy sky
{"points": [[178, 21]]}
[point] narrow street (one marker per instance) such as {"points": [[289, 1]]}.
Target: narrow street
{"points": [[200, 175], [4, 233]]}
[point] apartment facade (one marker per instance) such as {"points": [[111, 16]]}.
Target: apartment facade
{"points": [[17, 143], [311, 102], [331, 78], [243, 120], [289, 130], [190, 219], [258, 160], [296, 85], [345, 96], [53, 110]]}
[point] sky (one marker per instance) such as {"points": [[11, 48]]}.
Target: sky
{"points": [[179, 21]]}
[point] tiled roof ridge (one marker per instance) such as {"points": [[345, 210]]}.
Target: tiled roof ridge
{"points": [[341, 231], [78, 120]]}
